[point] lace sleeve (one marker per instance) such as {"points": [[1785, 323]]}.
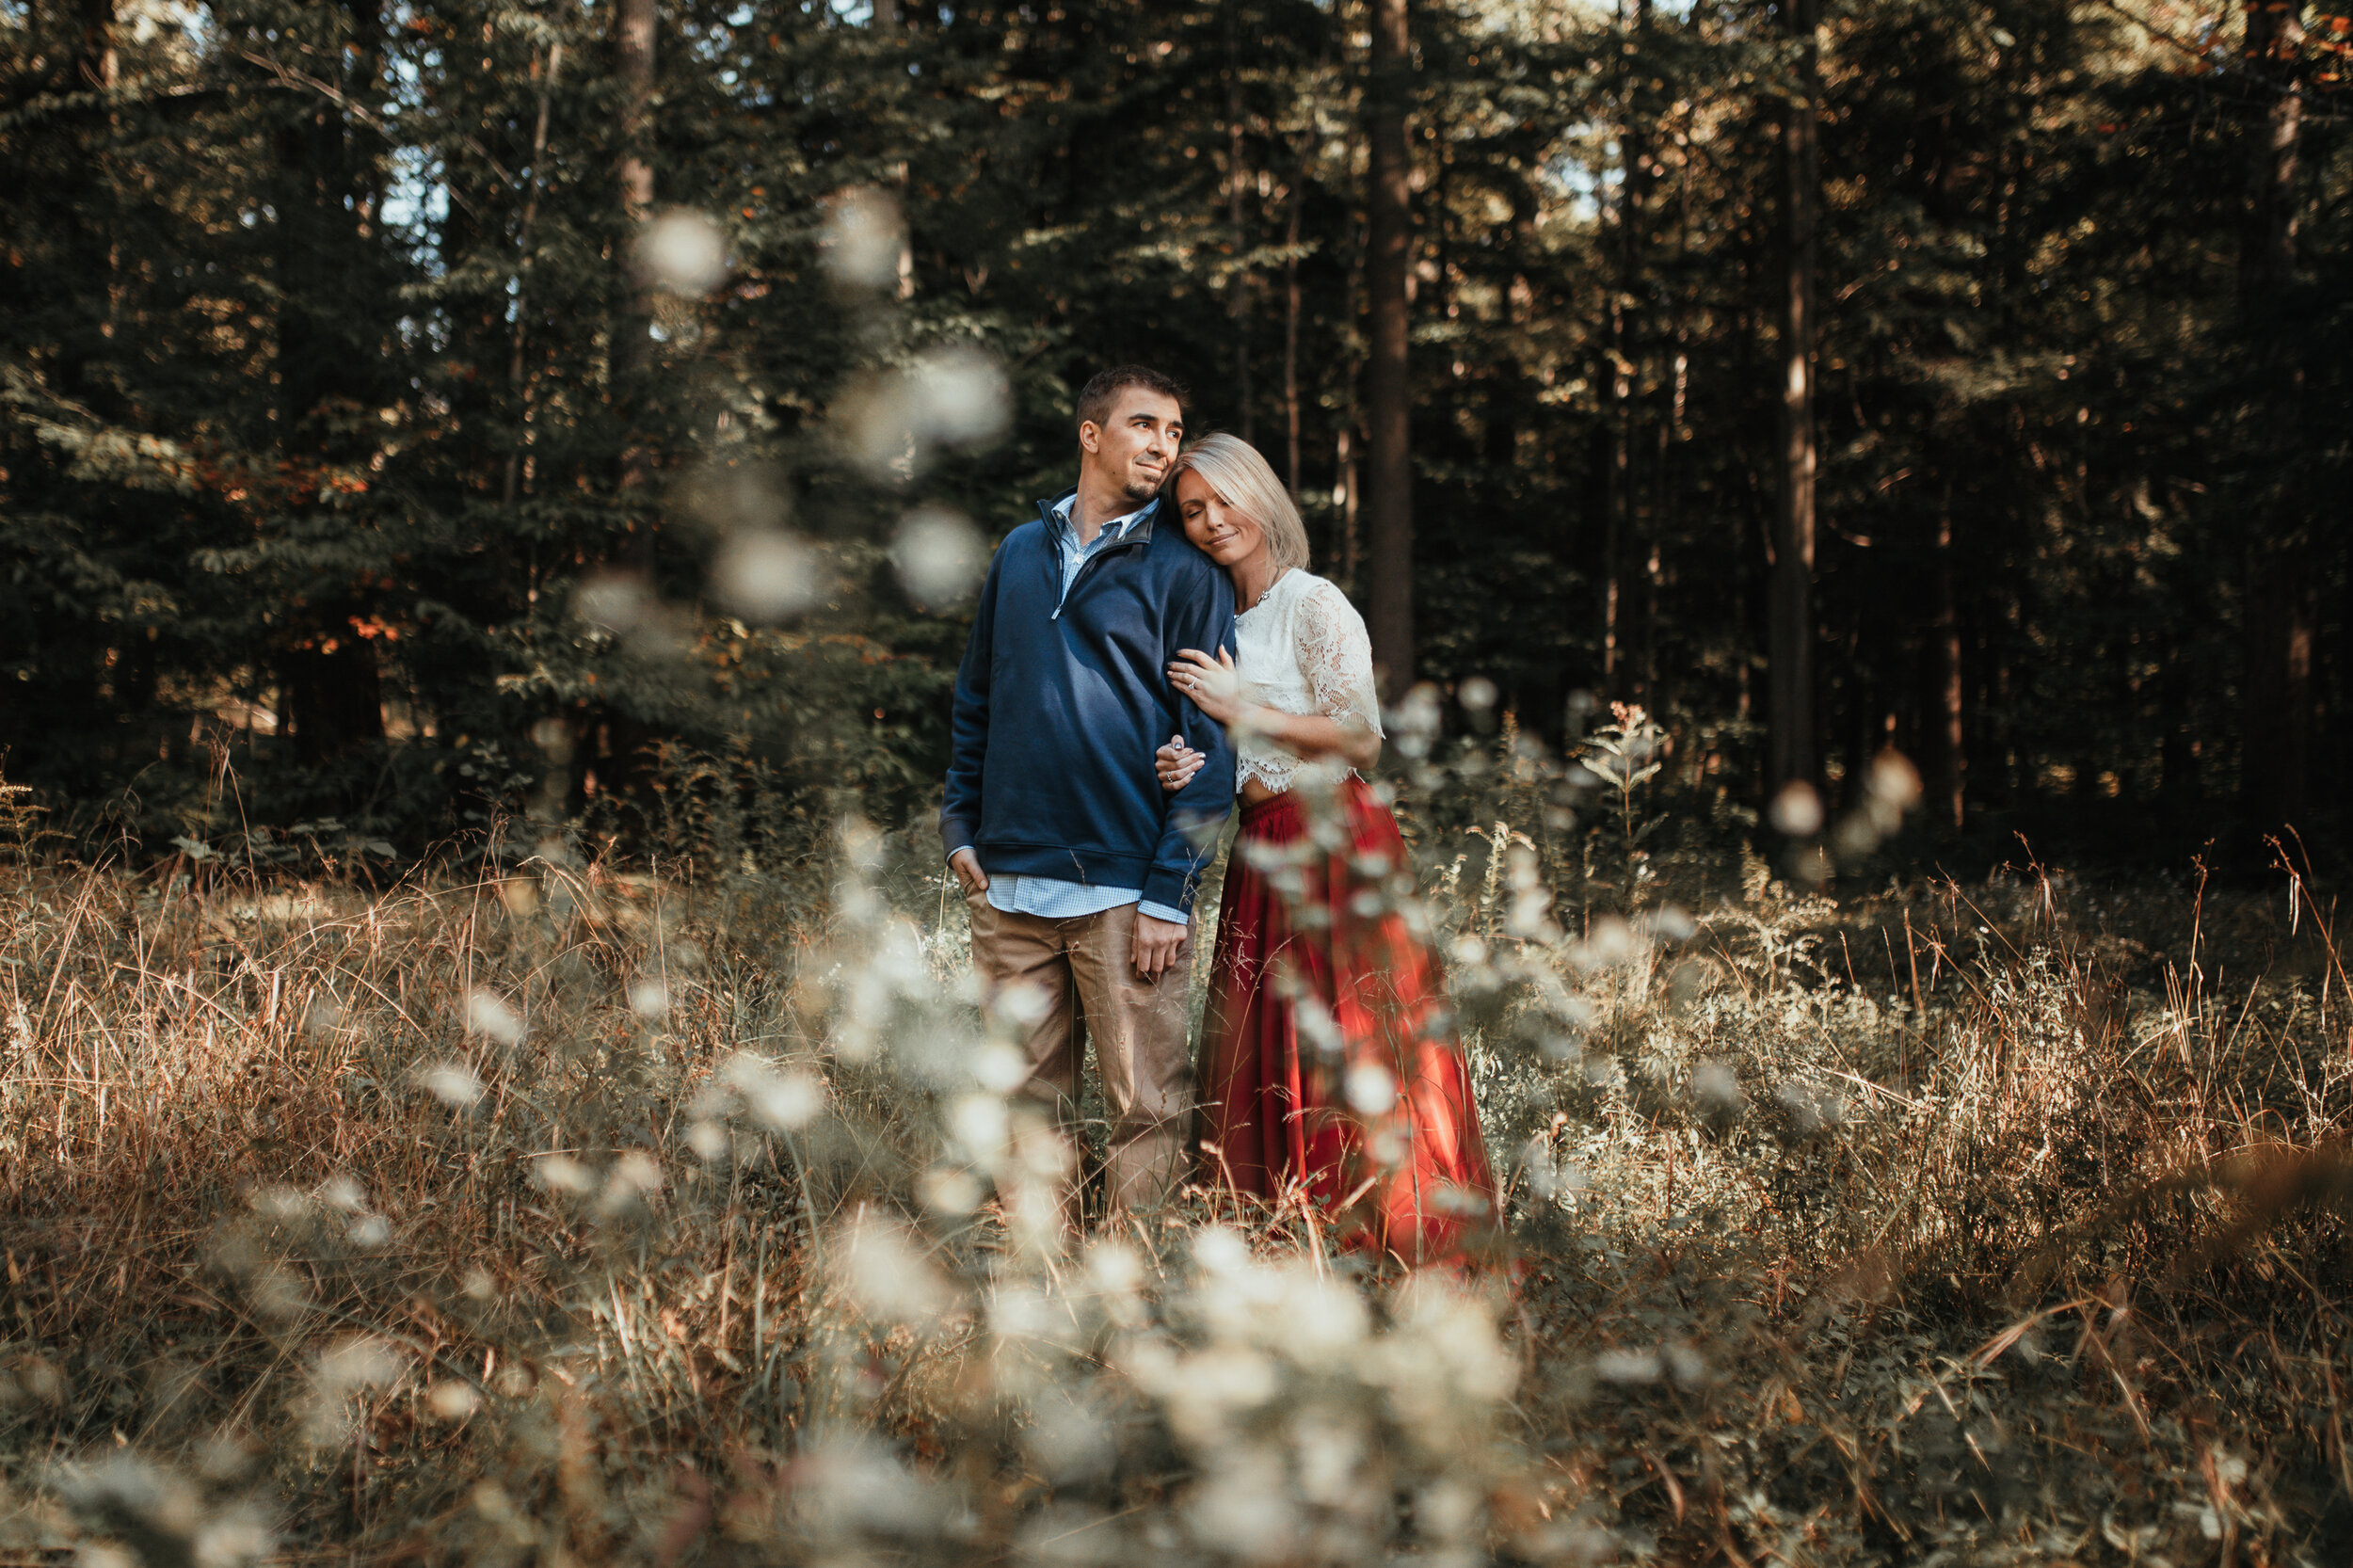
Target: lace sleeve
{"points": [[1336, 657]]}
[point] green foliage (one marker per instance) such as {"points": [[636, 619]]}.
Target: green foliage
{"points": [[336, 374]]}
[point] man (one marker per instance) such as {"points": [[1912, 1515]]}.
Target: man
{"points": [[1078, 869]]}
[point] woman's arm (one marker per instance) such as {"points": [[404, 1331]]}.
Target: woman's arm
{"points": [[1312, 736], [1335, 656], [1216, 688]]}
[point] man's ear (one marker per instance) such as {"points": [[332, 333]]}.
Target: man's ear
{"points": [[1090, 435]]}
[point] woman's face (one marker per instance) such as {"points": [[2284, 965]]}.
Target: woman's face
{"points": [[1218, 529]]}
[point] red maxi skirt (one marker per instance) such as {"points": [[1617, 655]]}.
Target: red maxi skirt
{"points": [[1330, 1068]]}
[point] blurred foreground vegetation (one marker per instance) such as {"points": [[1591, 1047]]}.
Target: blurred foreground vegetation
{"points": [[571, 1213]]}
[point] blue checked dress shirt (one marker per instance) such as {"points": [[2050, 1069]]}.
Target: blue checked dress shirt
{"points": [[1048, 897]]}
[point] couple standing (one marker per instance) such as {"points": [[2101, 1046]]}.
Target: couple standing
{"points": [[1079, 829]]}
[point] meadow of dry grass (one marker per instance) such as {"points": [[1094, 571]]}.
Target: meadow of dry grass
{"points": [[569, 1216]]}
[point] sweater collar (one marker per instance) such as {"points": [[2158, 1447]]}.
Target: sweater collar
{"points": [[1139, 532]]}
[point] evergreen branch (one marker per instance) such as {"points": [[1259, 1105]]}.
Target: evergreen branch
{"points": [[289, 78], [138, 92]]}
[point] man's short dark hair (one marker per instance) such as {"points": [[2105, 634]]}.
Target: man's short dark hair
{"points": [[1098, 398]]}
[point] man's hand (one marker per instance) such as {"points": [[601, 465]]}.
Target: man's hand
{"points": [[1159, 944], [967, 866]]}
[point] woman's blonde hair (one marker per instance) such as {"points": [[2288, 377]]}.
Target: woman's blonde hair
{"points": [[1245, 482]]}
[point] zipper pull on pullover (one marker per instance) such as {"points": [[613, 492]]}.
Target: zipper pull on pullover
{"points": [[1088, 555]]}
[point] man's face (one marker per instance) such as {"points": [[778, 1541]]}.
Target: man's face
{"points": [[1135, 444]]}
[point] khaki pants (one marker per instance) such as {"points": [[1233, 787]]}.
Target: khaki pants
{"points": [[1083, 968]]}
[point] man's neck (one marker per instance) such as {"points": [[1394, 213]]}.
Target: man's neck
{"points": [[1097, 501]]}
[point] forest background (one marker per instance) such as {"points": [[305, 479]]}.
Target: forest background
{"points": [[1956, 377]]}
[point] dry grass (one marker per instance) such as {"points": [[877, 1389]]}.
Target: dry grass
{"points": [[2044, 1260], [577, 1217]]}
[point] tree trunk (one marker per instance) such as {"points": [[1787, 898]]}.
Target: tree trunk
{"points": [[517, 388], [1620, 545], [92, 63], [2268, 239], [636, 22], [1351, 487], [331, 697], [2280, 611], [2279, 605], [1388, 466], [2177, 761], [1790, 609], [634, 27], [1238, 285], [1290, 323], [1614, 545], [1946, 752]]}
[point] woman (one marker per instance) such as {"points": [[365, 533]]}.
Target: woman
{"points": [[1330, 1064]]}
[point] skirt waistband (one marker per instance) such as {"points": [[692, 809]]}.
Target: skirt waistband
{"points": [[1353, 788], [1258, 810]]}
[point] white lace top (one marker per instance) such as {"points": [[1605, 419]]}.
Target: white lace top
{"points": [[1302, 648]]}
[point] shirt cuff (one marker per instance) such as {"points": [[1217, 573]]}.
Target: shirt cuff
{"points": [[1163, 912]]}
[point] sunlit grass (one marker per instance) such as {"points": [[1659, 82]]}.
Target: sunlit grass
{"points": [[573, 1216]]}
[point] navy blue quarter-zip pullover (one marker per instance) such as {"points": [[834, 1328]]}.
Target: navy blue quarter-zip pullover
{"points": [[1062, 701]]}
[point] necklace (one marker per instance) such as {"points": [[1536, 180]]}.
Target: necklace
{"points": [[1263, 592]]}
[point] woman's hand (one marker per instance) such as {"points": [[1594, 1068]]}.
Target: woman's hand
{"points": [[1177, 763], [1214, 685]]}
